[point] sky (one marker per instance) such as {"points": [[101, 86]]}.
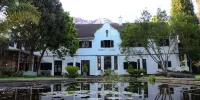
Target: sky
{"points": [[112, 9]]}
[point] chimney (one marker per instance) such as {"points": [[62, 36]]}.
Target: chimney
{"points": [[120, 20]]}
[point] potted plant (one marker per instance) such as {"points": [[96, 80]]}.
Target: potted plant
{"points": [[85, 70]]}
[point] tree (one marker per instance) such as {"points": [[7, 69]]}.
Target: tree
{"points": [[16, 12], [55, 30], [184, 23], [61, 42], [180, 6], [152, 38]]}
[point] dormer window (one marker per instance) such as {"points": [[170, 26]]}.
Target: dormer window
{"points": [[107, 43]]}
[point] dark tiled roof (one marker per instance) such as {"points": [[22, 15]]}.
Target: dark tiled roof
{"points": [[88, 30], [117, 26]]}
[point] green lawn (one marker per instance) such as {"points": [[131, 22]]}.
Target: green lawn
{"points": [[197, 76]]}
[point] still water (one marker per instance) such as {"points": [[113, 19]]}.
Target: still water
{"points": [[100, 91]]}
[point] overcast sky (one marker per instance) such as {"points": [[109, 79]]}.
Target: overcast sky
{"points": [[112, 9]]}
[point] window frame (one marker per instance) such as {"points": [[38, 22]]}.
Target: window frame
{"points": [[89, 45], [107, 43]]}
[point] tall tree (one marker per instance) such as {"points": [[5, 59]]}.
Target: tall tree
{"points": [[153, 38], [185, 6], [15, 12], [62, 41], [184, 22], [54, 31]]}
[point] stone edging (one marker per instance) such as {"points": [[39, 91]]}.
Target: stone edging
{"points": [[187, 81]]}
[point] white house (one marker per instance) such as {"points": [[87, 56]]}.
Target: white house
{"points": [[100, 49]]}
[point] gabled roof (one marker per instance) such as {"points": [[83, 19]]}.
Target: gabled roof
{"points": [[88, 30]]}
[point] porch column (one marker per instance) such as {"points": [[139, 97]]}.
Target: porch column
{"points": [[141, 63], [32, 63], [112, 62], [102, 63], [74, 61], [185, 57], [18, 60], [118, 63], [52, 68]]}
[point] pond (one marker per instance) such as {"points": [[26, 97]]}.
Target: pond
{"points": [[100, 91]]}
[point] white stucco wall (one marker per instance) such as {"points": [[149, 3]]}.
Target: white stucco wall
{"points": [[96, 50]]}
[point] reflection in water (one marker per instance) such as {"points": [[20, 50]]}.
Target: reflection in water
{"points": [[103, 91], [165, 92]]}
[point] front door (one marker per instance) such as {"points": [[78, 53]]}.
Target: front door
{"points": [[57, 67], [87, 62], [107, 62]]}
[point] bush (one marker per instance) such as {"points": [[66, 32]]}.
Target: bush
{"points": [[18, 74], [6, 72], [151, 78], [85, 68], [110, 75], [46, 73], [72, 71], [135, 72], [108, 72]]}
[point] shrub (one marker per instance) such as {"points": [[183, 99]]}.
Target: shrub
{"points": [[72, 71], [46, 73], [110, 75], [18, 74], [135, 72], [108, 72], [151, 78], [6, 72], [85, 68]]}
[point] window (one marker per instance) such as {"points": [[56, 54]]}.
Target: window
{"points": [[138, 63], [78, 65], [169, 64], [125, 65], [164, 42], [99, 62], [46, 66], [11, 44], [134, 64], [107, 43], [115, 61], [144, 65], [85, 44]]}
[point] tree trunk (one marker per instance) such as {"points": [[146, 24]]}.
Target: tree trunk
{"points": [[18, 60], [164, 68], [39, 61], [31, 56], [190, 60]]}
